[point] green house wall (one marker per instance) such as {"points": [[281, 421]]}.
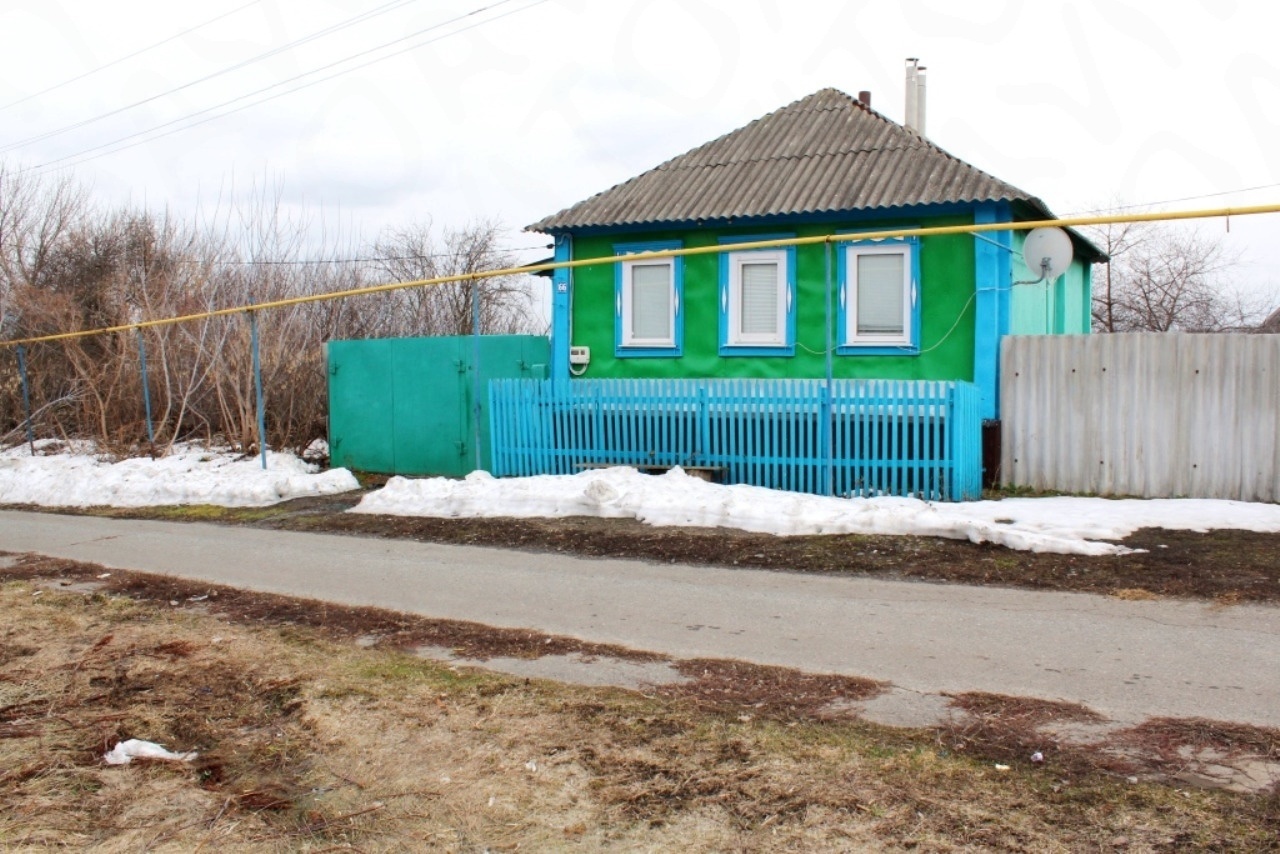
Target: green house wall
{"points": [[946, 277]]}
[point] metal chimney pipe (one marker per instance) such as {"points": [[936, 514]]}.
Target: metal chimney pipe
{"points": [[865, 97], [920, 100], [910, 118]]}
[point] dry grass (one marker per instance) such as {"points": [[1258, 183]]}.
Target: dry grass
{"points": [[1134, 594], [309, 743]]}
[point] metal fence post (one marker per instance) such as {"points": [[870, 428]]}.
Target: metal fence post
{"points": [[146, 390], [257, 384], [26, 397]]}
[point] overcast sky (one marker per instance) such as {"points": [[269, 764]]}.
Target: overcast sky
{"points": [[526, 106]]}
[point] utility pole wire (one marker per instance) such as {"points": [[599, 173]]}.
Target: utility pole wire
{"points": [[363, 16], [51, 165], [127, 57], [376, 259], [1148, 205]]}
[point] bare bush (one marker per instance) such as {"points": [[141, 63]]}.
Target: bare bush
{"points": [[1166, 278], [413, 253], [65, 266]]}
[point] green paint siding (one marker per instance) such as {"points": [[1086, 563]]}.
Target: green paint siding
{"points": [[1060, 307], [946, 287]]}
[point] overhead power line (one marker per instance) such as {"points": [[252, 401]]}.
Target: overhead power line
{"points": [[128, 57], [375, 259], [341, 25], [1141, 205], [150, 135]]}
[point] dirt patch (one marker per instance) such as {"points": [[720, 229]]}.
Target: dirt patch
{"points": [[1071, 740], [1206, 752], [1023, 731], [1225, 566], [575, 669], [1022, 710], [774, 692], [135, 682]]}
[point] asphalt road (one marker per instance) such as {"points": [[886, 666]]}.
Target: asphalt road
{"points": [[1128, 660]]}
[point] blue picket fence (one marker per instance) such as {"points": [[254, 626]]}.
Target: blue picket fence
{"points": [[849, 437]]}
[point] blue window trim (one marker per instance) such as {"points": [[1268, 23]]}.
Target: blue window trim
{"points": [[843, 346], [623, 351], [722, 297]]}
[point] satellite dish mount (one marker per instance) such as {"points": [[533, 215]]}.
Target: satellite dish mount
{"points": [[1046, 251]]}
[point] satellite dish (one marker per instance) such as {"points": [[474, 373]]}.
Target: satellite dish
{"points": [[1047, 252]]}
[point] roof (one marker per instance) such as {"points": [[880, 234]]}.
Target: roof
{"points": [[826, 153]]}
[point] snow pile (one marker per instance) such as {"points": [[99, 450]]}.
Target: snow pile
{"points": [[198, 475], [190, 474], [135, 748], [1062, 525]]}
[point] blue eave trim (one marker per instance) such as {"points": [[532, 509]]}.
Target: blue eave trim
{"points": [[786, 220], [777, 350], [842, 299], [621, 351]]}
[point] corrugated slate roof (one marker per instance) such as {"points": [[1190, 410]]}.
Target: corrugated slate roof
{"points": [[826, 153]]}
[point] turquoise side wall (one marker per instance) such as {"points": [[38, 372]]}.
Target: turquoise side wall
{"points": [[947, 334], [1060, 307]]}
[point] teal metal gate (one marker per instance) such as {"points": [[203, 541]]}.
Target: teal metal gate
{"points": [[419, 406]]}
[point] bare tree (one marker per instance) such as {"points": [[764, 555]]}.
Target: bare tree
{"points": [[35, 218], [1164, 278], [1115, 239], [67, 265], [413, 253]]}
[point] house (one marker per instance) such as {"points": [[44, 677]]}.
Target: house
{"points": [[910, 308], [907, 308]]}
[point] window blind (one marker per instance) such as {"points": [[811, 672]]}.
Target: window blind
{"points": [[760, 299], [880, 299], [651, 302]]}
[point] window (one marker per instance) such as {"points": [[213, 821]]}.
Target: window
{"points": [[647, 302], [756, 303], [878, 297], [649, 312]]}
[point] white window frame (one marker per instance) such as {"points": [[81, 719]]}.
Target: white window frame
{"points": [[851, 335], [628, 336], [735, 338]]}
